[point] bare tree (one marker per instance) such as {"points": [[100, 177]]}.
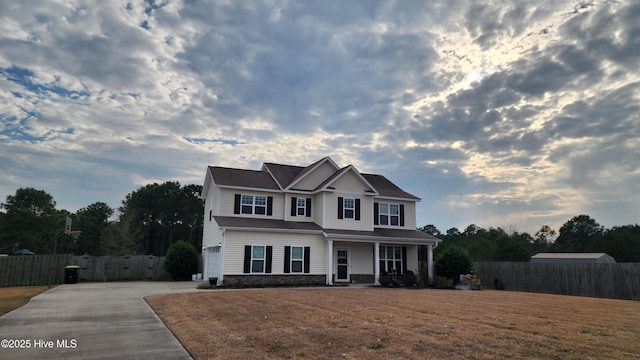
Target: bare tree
{"points": [[123, 237]]}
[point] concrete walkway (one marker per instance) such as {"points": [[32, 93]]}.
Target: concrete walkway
{"points": [[93, 321]]}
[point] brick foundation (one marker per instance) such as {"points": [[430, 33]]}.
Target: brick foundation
{"points": [[241, 281]]}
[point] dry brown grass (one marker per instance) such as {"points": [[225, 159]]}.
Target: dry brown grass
{"points": [[12, 298], [378, 323]]}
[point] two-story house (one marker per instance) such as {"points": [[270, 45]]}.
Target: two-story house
{"points": [[320, 224]]}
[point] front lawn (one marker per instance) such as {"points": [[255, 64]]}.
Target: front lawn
{"points": [[380, 323], [14, 297]]}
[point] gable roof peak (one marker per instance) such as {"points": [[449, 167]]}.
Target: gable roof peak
{"points": [[287, 176]]}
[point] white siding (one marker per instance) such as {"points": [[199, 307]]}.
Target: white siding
{"points": [[235, 242], [361, 256], [412, 258], [318, 209], [350, 182], [409, 213], [211, 236], [331, 220], [227, 198], [315, 178], [299, 218]]}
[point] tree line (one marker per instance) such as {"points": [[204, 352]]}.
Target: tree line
{"points": [[153, 217], [579, 234], [149, 220]]}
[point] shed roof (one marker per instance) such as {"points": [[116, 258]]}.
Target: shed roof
{"points": [[568, 255]]}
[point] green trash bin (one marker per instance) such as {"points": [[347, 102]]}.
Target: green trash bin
{"points": [[71, 274]]}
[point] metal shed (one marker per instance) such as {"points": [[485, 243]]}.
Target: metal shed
{"points": [[573, 258]]}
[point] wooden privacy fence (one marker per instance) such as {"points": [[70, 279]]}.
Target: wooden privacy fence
{"points": [[25, 270], [616, 281], [29, 270]]}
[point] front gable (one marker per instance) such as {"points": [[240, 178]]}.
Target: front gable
{"points": [[349, 180], [312, 179]]}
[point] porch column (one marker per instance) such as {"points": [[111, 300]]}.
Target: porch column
{"points": [[430, 263], [376, 266], [329, 262]]}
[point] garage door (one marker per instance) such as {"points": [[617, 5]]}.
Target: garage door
{"points": [[214, 262]]}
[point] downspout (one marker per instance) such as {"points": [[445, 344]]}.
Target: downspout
{"points": [[222, 243]]}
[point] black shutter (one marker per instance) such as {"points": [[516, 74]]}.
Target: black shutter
{"points": [[307, 257], [340, 208], [247, 259], [294, 206], [267, 263], [210, 214], [287, 259], [357, 209], [376, 214], [401, 215], [236, 204], [308, 210], [404, 259], [269, 205]]}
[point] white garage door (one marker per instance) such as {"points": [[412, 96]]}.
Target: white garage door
{"points": [[214, 262]]}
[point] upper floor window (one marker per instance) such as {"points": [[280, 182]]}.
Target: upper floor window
{"points": [[253, 204], [348, 208], [388, 214], [300, 206]]}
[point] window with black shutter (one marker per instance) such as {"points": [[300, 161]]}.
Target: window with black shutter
{"points": [[257, 259], [296, 259]]}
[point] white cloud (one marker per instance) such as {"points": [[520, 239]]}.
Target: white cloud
{"points": [[495, 113]]}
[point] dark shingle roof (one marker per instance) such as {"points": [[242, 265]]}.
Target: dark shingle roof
{"points": [[244, 222], [242, 178], [284, 174], [386, 187], [287, 174], [383, 234]]}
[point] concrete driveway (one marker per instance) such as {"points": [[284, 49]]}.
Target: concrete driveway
{"points": [[92, 321]]}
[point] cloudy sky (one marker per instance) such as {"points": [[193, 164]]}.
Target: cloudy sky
{"points": [[500, 113]]}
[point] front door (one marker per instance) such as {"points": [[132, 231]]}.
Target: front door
{"points": [[342, 264]]}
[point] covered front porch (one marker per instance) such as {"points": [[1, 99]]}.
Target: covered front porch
{"points": [[364, 258]]}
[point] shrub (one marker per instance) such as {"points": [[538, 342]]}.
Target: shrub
{"points": [[453, 262], [181, 260], [440, 282], [409, 279], [386, 280]]}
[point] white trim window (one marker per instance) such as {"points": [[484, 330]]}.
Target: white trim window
{"points": [[297, 259], [391, 259], [258, 258], [301, 207], [349, 208], [254, 204], [389, 214]]}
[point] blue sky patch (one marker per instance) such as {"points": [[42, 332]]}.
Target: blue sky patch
{"points": [[23, 77], [201, 141]]}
